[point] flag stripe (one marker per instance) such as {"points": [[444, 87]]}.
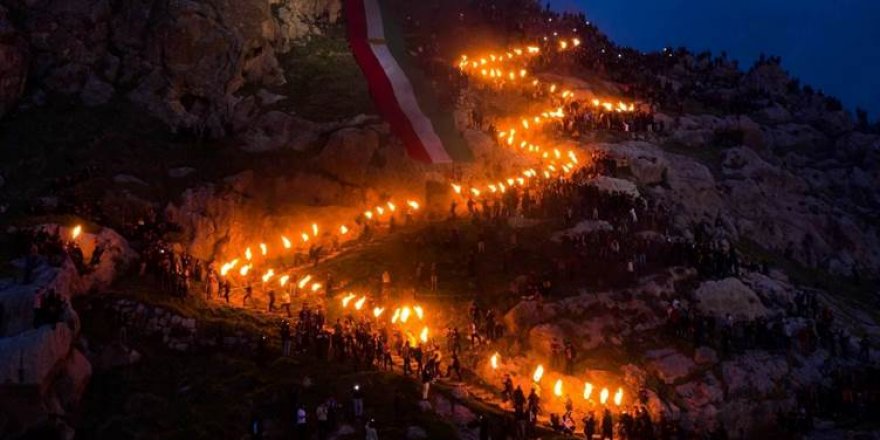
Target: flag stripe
{"points": [[403, 95], [441, 118], [375, 29], [380, 85], [406, 98]]}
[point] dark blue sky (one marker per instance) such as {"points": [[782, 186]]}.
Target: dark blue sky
{"points": [[833, 45]]}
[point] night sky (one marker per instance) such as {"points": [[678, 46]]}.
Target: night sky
{"points": [[833, 45]]}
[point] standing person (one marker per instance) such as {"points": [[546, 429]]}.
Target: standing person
{"points": [[569, 357], [370, 432], [302, 427], [38, 308], [589, 426], [434, 280], [248, 294], [285, 301], [323, 425], [534, 402], [271, 295], [386, 282], [507, 388], [285, 338], [227, 289], [418, 354], [519, 401], [256, 427], [407, 367], [455, 366], [475, 335], [864, 349], [357, 401], [607, 425], [209, 283], [427, 377]]}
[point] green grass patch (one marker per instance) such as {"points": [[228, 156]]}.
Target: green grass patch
{"points": [[323, 80]]}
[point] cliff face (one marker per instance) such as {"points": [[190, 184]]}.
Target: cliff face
{"points": [[43, 370], [185, 62]]}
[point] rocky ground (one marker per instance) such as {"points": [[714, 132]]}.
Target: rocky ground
{"points": [[238, 118]]}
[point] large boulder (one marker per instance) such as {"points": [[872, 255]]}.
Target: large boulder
{"points": [[527, 314], [348, 154], [704, 391], [754, 374], [277, 130], [71, 384], [773, 114], [17, 299], [298, 18], [669, 365], [543, 337], [32, 357], [729, 296], [615, 186]]}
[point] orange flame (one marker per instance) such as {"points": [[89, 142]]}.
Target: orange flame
{"points": [[346, 299], [494, 360], [618, 397], [424, 335], [603, 396], [588, 390], [538, 374], [268, 275], [360, 303], [228, 266], [283, 280], [264, 249], [557, 388], [286, 242], [305, 280], [75, 233], [377, 311], [419, 312]]}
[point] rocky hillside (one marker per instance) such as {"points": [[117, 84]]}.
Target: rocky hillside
{"points": [[44, 365], [264, 124], [188, 63]]}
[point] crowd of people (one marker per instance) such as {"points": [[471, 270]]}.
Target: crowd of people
{"points": [[625, 236]]}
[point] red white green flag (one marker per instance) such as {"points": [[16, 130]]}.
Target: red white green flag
{"points": [[403, 95]]}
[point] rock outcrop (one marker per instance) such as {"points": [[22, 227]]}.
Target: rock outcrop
{"points": [[42, 366], [809, 209], [185, 62]]}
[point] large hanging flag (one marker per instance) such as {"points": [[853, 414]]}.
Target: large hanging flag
{"points": [[403, 95]]}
